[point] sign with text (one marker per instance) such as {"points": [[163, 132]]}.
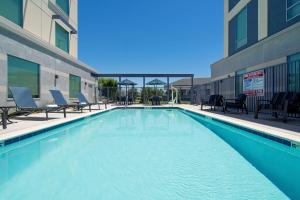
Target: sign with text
{"points": [[254, 83]]}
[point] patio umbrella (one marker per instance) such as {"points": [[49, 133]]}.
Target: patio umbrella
{"points": [[156, 82], [127, 83]]}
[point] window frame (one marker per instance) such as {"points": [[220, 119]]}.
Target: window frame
{"points": [[288, 8], [236, 46], [68, 45], [39, 77], [232, 5], [68, 7]]}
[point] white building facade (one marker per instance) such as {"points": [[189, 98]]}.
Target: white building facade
{"points": [[39, 50]]}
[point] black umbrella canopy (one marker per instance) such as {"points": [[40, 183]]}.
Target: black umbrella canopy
{"points": [[127, 82], [156, 82]]}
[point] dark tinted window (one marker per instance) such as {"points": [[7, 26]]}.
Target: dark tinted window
{"points": [[12, 10], [23, 73], [232, 3]]}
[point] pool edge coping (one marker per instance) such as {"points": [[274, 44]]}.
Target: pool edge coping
{"points": [[19, 135], [292, 137], [217, 117]]}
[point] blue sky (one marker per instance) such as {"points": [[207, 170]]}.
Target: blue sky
{"points": [[151, 36]]}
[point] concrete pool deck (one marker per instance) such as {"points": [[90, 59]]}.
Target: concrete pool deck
{"points": [[266, 123], [23, 125], [290, 131]]}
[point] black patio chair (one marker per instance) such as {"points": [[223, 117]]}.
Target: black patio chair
{"points": [[155, 100], [292, 105], [123, 100], [283, 103], [22, 97], [84, 102], [239, 103], [213, 101], [61, 101], [210, 102], [274, 105], [130, 100]]}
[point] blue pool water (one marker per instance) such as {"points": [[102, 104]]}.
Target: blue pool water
{"points": [[148, 154]]}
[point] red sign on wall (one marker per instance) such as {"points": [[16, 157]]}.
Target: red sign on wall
{"points": [[254, 83]]}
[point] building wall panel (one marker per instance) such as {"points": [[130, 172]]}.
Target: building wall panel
{"points": [[49, 67], [275, 47], [38, 20], [277, 16]]}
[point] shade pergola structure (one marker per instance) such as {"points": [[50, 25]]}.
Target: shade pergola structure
{"points": [[144, 76], [127, 83]]}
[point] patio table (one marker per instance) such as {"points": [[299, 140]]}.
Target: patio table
{"points": [[4, 115]]}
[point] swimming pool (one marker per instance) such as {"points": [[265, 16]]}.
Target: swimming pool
{"points": [[148, 154]]}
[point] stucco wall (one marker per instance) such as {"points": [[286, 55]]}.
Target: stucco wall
{"points": [[38, 20], [274, 47], [49, 66]]}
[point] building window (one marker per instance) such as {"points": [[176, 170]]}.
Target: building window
{"points": [[12, 10], [64, 5], [23, 73], [232, 4], [294, 73], [61, 38], [292, 9], [241, 29], [74, 85]]}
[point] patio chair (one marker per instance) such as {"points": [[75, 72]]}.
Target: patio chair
{"points": [[238, 103], [292, 105], [123, 100], [210, 102], [155, 100], [130, 100], [281, 103], [213, 101], [84, 102], [61, 101], [118, 99], [22, 97], [274, 105]]}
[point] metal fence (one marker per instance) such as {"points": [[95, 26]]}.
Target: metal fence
{"points": [[140, 95], [279, 78]]}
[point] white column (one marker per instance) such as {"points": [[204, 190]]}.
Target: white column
{"points": [[262, 19], [226, 28]]}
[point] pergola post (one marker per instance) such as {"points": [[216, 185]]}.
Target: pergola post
{"points": [[192, 89], [126, 94], [168, 88], [95, 90], [119, 96], [144, 82]]}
